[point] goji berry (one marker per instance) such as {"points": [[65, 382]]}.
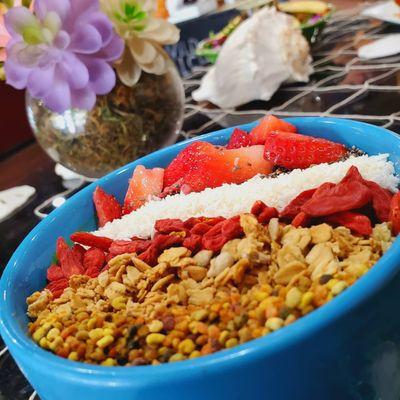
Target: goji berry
{"points": [[93, 261], [200, 228], [395, 213], [381, 199], [221, 233], [54, 272], [125, 246], [263, 212], [356, 222], [69, 260], [88, 239], [329, 199], [301, 219], [57, 287], [150, 255], [294, 207], [79, 251], [193, 243], [169, 225]]}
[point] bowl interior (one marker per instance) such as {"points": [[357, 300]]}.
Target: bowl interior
{"points": [[25, 272]]}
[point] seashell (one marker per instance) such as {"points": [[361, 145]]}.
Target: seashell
{"points": [[262, 53]]}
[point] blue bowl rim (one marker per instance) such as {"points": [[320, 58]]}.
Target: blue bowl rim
{"points": [[350, 299]]}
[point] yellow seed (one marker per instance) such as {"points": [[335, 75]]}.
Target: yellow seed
{"points": [[91, 323], [193, 327], [105, 341], [260, 296], [293, 297], [231, 343], [39, 334], [109, 362], [156, 326], [176, 357], [154, 339], [306, 299], [274, 323], [73, 356], [53, 333], [338, 288], [331, 283], [186, 346], [162, 350], [82, 335], [96, 334], [200, 315], [108, 331], [194, 354], [119, 303], [43, 342], [223, 337], [56, 343]]}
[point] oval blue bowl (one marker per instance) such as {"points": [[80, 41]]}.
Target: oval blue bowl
{"points": [[348, 349]]}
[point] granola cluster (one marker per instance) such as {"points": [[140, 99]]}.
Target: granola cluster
{"points": [[193, 304]]}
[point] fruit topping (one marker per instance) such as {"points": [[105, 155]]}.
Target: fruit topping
{"points": [[144, 184], [107, 206], [269, 124], [239, 138], [202, 165], [293, 150]]}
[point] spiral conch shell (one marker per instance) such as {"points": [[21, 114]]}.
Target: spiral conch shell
{"points": [[262, 53]]}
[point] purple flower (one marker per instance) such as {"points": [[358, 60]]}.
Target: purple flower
{"points": [[62, 53]]}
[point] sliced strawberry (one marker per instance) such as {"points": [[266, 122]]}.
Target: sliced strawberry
{"points": [[107, 206], [239, 138], [269, 124], [291, 150], [144, 184], [206, 166]]}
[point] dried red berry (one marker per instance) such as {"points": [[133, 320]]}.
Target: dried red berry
{"points": [[93, 261], [69, 260], [88, 239], [169, 225], [126, 246], [54, 272]]}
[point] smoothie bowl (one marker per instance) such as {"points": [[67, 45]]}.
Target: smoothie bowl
{"points": [[269, 266]]}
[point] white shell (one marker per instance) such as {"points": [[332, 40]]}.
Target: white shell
{"points": [[12, 199], [388, 46], [264, 51]]}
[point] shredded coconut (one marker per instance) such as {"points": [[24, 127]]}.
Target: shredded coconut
{"points": [[230, 199]]}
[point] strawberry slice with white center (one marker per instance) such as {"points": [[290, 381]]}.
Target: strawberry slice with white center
{"points": [[268, 124], [292, 150], [143, 185], [202, 165], [107, 206]]}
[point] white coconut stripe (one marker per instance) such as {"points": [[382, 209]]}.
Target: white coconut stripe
{"points": [[231, 200]]}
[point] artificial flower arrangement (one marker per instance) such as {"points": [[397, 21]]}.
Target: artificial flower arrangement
{"points": [[101, 89], [66, 52]]}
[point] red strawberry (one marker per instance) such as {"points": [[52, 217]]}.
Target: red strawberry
{"points": [[239, 138], [107, 206], [202, 165], [291, 150], [143, 184], [269, 124]]}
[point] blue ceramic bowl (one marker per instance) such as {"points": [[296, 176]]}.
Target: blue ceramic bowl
{"points": [[348, 349]]}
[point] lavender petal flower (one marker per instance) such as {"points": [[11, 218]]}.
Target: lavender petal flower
{"points": [[62, 55]]}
